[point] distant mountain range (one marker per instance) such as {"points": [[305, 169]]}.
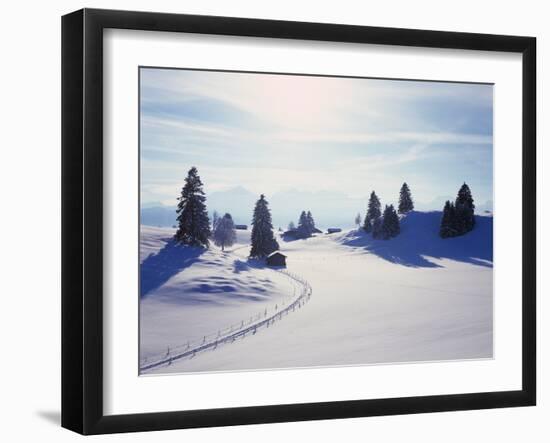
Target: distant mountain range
{"points": [[158, 216], [329, 209]]}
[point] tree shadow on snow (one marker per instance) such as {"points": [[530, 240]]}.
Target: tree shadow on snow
{"points": [[158, 268], [419, 241], [248, 264]]}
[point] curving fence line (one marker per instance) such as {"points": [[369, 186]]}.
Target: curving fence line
{"points": [[222, 332], [233, 332]]}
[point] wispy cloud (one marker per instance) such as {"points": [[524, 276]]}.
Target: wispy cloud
{"points": [[183, 126], [387, 137], [274, 132]]}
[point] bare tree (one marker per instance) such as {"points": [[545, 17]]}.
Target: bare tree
{"points": [[225, 234], [358, 220]]}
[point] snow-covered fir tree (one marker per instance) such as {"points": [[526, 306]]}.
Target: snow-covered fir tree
{"points": [[373, 212], [310, 222], [464, 206], [291, 226], [358, 220], [405, 199], [390, 223], [263, 242], [193, 223], [225, 234]]}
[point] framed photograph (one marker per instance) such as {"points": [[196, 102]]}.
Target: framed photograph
{"points": [[268, 221]]}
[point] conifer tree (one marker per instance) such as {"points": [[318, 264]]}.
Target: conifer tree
{"points": [[304, 225], [377, 228], [405, 199], [310, 222], [193, 223], [368, 225], [464, 206], [263, 242], [448, 221], [225, 234], [390, 223], [396, 224], [373, 211], [458, 218], [386, 222], [291, 226], [302, 222]]}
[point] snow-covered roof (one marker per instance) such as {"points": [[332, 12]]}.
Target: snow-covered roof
{"points": [[276, 252]]}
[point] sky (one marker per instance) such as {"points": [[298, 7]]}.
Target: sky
{"points": [[292, 134]]}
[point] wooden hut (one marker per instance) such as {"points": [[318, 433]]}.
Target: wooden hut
{"points": [[276, 258]]}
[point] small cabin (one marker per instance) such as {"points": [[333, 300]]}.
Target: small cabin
{"points": [[276, 258], [333, 230], [299, 233], [241, 227], [291, 233]]}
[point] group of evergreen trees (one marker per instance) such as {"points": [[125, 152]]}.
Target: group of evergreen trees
{"points": [[194, 224], [389, 226], [386, 225], [306, 224], [458, 217]]}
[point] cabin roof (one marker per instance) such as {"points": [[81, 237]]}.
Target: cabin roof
{"points": [[276, 253]]}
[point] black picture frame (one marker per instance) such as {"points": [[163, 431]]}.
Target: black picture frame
{"points": [[82, 218]]}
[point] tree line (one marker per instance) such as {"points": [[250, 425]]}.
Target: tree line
{"points": [[458, 217], [194, 224]]}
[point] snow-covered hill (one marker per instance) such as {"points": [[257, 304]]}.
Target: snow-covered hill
{"points": [[413, 298], [187, 293], [419, 243]]}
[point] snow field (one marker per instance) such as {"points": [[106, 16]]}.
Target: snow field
{"points": [[413, 298]]}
